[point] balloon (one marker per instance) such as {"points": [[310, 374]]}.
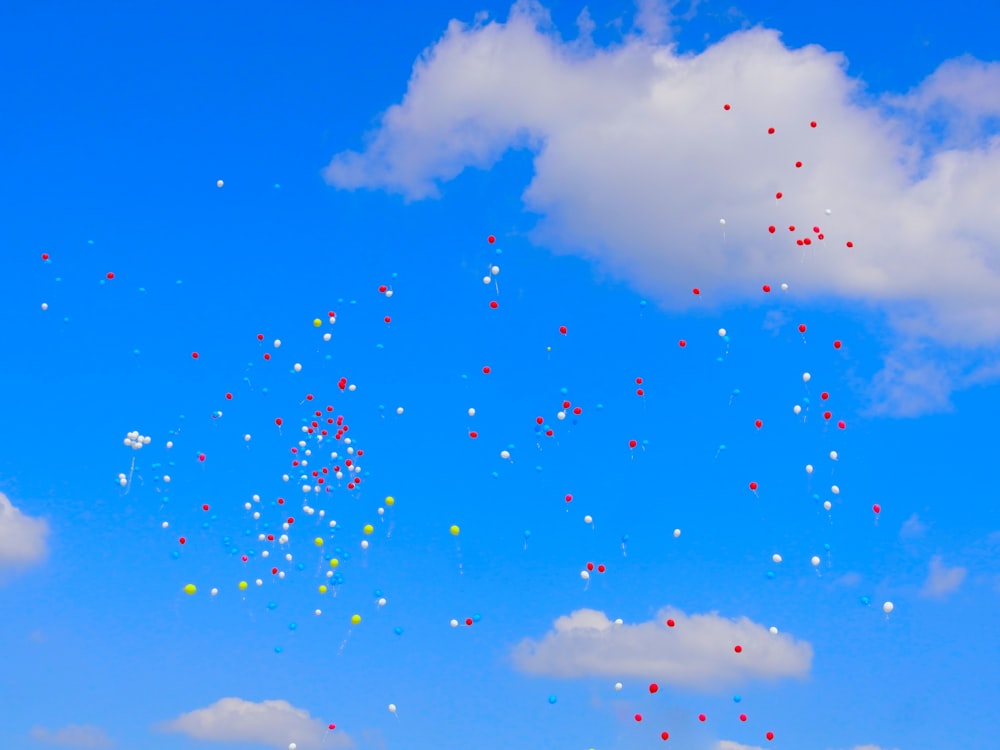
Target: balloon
{"points": [[190, 589], [769, 735], [776, 558], [677, 533], [355, 619], [738, 648], [219, 183], [392, 708], [888, 607], [877, 508], [368, 529], [653, 687], [618, 686], [454, 530], [670, 623], [806, 377], [815, 560]]}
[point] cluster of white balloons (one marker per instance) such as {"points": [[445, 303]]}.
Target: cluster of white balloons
{"points": [[135, 441]]}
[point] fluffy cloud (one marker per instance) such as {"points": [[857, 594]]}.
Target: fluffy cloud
{"points": [[22, 537], [942, 580], [635, 162], [74, 735], [273, 723], [697, 652], [913, 528], [730, 745]]}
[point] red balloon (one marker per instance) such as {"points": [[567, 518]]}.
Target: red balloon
{"points": [[549, 433], [664, 735], [850, 244], [766, 288], [807, 241], [696, 291], [819, 236], [486, 370], [842, 424], [771, 229], [260, 336], [824, 395], [770, 131], [278, 421], [387, 319], [45, 256], [769, 735], [182, 540], [274, 571], [639, 392], [653, 687], [565, 404], [194, 355], [578, 410], [738, 648], [638, 381], [758, 423], [827, 415], [229, 396], [569, 498], [244, 558], [201, 456], [670, 623], [777, 196], [539, 420], [382, 288], [638, 717], [331, 727], [812, 124], [743, 717], [601, 568], [725, 107], [110, 275], [468, 620], [802, 327], [798, 165], [473, 434], [562, 330], [753, 486], [491, 239], [266, 356], [205, 506], [632, 443], [682, 343], [791, 227], [877, 508], [837, 344], [702, 717], [494, 304]]}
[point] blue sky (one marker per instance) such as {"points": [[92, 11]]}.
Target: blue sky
{"points": [[377, 145]]}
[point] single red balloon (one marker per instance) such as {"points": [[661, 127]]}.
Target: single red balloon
{"points": [[753, 486], [842, 424], [738, 648], [664, 735], [877, 508], [812, 124], [772, 229], [725, 107], [194, 355], [653, 687], [562, 330], [682, 343], [491, 239], [473, 434], [638, 717], [758, 423], [777, 196], [770, 131], [278, 421], [182, 540], [769, 735], [837, 344], [110, 275], [696, 291], [802, 327], [743, 717], [569, 498], [824, 395], [601, 568], [632, 444], [702, 717], [850, 244], [798, 165], [486, 370], [494, 304], [766, 288]]}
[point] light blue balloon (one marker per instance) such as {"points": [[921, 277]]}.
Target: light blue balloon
{"points": [[552, 699]]}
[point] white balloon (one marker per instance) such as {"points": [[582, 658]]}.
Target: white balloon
{"points": [[219, 183], [797, 409], [784, 287], [774, 630], [619, 621], [381, 601], [297, 367], [327, 336], [388, 293], [214, 592], [888, 607], [45, 305], [776, 557], [495, 270], [722, 331], [392, 708], [828, 212], [504, 454], [588, 519], [827, 505], [806, 377], [472, 412], [561, 415], [292, 746], [487, 279], [454, 623], [835, 490], [618, 686], [364, 544], [809, 468], [815, 561], [277, 343], [399, 409], [585, 575], [246, 438], [833, 455], [677, 533]]}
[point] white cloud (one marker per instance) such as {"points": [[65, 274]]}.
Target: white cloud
{"points": [[697, 652], [913, 528], [636, 162], [942, 580], [22, 537], [730, 745], [74, 735], [868, 747], [273, 723]]}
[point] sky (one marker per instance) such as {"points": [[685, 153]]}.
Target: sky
{"points": [[618, 448]]}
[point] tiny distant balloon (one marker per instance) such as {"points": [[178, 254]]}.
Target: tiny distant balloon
{"points": [[454, 530], [355, 619], [888, 607], [552, 699], [219, 183], [677, 533], [806, 377], [618, 686], [815, 561], [190, 589]]}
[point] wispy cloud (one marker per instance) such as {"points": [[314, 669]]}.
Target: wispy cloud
{"points": [[942, 580], [636, 162], [913, 528], [730, 745], [274, 723], [73, 735], [697, 652], [22, 537]]}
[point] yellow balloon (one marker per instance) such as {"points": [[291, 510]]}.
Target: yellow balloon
{"points": [[243, 585], [190, 588], [369, 528], [317, 322], [454, 530], [390, 501], [322, 589], [355, 620], [334, 562], [318, 541]]}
